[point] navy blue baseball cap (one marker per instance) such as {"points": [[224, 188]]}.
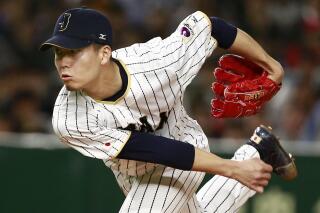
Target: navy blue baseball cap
{"points": [[79, 27]]}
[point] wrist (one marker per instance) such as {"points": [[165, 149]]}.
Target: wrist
{"points": [[230, 168], [276, 72]]}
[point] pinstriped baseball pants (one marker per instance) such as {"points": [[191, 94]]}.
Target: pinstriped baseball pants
{"points": [[169, 190]]}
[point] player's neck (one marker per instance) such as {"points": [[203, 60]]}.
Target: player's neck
{"points": [[108, 83]]}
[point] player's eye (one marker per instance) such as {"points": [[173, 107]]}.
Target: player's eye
{"points": [[72, 52], [59, 53]]}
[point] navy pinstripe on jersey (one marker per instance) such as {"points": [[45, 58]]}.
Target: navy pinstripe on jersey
{"points": [[158, 73]]}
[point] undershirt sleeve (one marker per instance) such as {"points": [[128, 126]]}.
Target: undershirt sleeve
{"points": [[157, 149], [223, 32]]}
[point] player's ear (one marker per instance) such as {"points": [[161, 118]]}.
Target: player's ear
{"points": [[105, 54]]}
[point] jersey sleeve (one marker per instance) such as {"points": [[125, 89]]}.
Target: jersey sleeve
{"points": [[181, 54], [77, 124], [189, 46]]}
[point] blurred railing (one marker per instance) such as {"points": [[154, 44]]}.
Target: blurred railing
{"points": [[43, 175], [223, 146]]}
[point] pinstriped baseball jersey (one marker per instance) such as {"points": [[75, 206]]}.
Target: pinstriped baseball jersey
{"points": [[157, 73]]}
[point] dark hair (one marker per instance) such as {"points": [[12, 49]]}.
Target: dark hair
{"points": [[97, 46]]}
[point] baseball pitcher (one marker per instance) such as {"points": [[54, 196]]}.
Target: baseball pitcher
{"points": [[125, 107]]}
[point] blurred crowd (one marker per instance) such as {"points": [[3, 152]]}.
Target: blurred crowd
{"points": [[288, 29]]}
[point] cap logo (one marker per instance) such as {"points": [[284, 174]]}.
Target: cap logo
{"points": [[103, 36], [65, 21]]}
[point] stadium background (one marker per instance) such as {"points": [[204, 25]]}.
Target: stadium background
{"points": [[38, 175]]}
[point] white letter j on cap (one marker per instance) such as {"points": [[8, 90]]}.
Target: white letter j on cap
{"points": [[65, 21]]}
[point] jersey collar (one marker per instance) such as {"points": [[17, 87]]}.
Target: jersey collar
{"points": [[125, 77]]}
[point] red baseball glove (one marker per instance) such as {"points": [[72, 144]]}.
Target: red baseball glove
{"points": [[241, 87]]}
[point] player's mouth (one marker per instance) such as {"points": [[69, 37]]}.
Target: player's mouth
{"points": [[66, 77]]}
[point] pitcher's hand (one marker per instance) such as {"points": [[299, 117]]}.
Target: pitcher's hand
{"points": [[253, 173]]}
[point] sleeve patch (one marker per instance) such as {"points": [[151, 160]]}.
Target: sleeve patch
{"points": [[186, 32]]}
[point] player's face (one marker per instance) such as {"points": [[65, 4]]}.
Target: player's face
{"points": [[79, 68]]}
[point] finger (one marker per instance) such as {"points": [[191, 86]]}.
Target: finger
{"points": [[263, 183], [217, 108], [225, 76], [266, 176], [240, 65], [267, 167], [258, 189], [217, 104], [218, 89], [260, 182]]}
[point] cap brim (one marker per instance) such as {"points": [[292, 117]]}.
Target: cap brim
{"points": [[65, 42]]}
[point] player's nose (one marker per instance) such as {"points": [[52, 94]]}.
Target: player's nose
{"points": [[63, 62]]}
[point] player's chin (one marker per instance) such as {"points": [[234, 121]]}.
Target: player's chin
{"points": [[72, 87]]}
